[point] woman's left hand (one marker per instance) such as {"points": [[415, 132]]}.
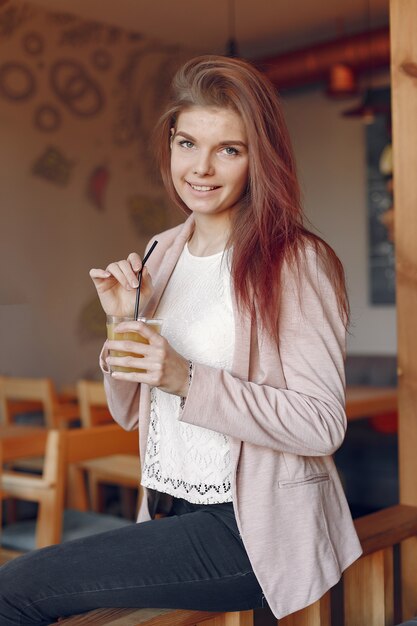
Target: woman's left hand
{"points": [[165, 368]]}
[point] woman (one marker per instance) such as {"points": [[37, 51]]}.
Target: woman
{"points": [[242, 402]]}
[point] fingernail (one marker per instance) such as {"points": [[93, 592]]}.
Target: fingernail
{"points": [[134, 283]]}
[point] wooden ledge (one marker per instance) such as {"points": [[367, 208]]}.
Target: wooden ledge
{"points": [[386, 528], [138, 617]]}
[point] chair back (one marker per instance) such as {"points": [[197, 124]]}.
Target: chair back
{"points": [[61, 448], [23, 395], [82, 444], [92, 403]]}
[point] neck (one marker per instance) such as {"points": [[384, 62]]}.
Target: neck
{"points": [[209, 236]]}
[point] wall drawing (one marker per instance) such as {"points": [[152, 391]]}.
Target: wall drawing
{"points": [[139, 104], [101, 59], [47, 118], [91, 321], [53, 166], [97, 185], [75, 87], [17, 81], [13, 17], [33, 43], [148, 215]]}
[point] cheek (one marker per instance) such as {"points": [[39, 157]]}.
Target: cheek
{"points": [[242, 180], [175, 176], [177, 166]]}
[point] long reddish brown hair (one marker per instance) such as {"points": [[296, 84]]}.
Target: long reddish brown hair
{"points": [[267, 229]]}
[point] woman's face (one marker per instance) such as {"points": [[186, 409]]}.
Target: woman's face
{"points": [[209, 159]]}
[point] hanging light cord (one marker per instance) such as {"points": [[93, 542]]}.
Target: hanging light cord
{"points": [[231, 43]]}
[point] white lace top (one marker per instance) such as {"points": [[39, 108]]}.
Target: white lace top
{"points": [[184, 460]]}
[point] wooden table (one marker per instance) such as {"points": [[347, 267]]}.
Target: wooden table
{"points": [[363, 401]]}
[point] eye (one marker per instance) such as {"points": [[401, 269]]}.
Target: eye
{"points": [[230, 151], [185, 143]]}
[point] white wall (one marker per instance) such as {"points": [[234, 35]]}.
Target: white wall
{"points": [[330, 153], [50, 234]]}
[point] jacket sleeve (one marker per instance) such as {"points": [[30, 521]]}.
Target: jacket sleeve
{"points": [[122, 397], [305, 416]]}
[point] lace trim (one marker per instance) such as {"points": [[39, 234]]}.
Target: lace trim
{"points": [[153, 478], [153, 472]]}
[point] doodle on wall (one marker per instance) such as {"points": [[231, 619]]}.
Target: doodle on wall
{"points": [[101, 59], [53, 166], [92, 321], [17, 82], [143, 85], [33, 43], [11, 18], [97, 185], [81, 33], [62, 19], [148, 215], [74, 87], [47, 118]]}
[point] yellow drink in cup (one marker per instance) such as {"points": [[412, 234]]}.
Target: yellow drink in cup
{"points": [[112, 322]]}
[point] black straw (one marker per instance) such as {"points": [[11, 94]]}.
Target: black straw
{"points": [[145, 258]]}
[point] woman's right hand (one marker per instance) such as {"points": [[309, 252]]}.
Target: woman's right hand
{"points": [[116, 285]]}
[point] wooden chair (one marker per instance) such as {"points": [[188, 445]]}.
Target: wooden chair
{"points": [[122, 470], [60, 449], [92, 403], [28, 395], [5, 555]]}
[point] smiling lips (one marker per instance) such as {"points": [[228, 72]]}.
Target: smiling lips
{"points": [[202, 187]]}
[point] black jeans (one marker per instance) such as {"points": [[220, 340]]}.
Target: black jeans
{"points": [[193, 559]]}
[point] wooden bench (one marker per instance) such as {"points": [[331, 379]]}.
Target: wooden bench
{"points": [[368, 589], [157, 617]]}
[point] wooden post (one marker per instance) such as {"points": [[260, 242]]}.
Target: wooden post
{"points": [[403, 18], [317, 614], [240, 618], [368, 590]]}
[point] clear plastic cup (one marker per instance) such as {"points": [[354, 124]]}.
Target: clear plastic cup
{"points": [[111, 322]]}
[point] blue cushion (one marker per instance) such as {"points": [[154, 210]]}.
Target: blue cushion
{"points": [[21, 535]]}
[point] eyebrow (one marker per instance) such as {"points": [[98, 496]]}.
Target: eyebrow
{"points": [[235, 142]]}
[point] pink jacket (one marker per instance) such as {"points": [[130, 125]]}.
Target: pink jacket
{"points": [[283, 410]]}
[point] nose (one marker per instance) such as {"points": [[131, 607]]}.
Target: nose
{"points": [[203, 165]]}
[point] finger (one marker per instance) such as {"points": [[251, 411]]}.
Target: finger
{"points": [[118, 270], [137, 363], [141, 349], [134, 377], [146, 330], [127, 269], [98, 273], [135, 261], [150, 331]]}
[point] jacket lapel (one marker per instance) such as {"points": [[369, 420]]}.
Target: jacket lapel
{"points": [[167, 266]]}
